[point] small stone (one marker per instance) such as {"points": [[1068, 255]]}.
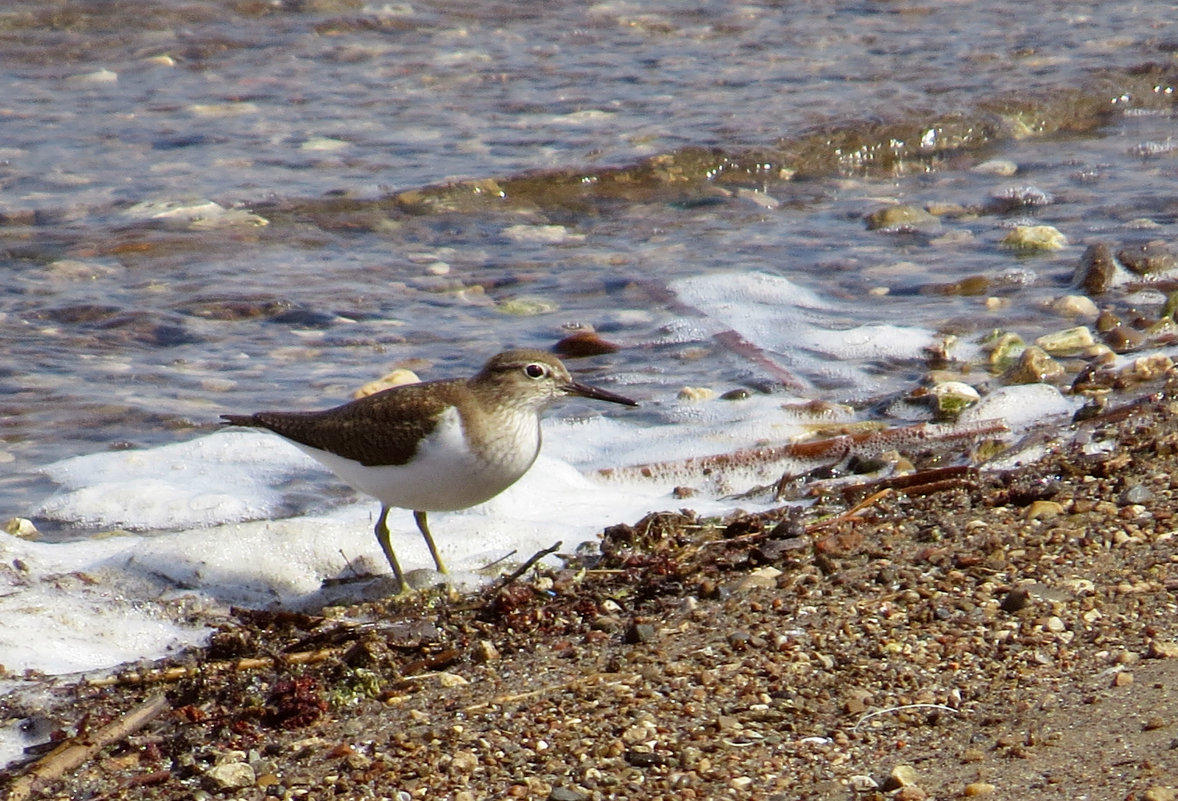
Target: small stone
{"points": [[1151, 258], [464, 761], [525, 306], [971, 755], [566, 794], [1122, 679], [902, 218], [861, 783], [396, 378], [1154, 723], [755, 581], [1122, 338], [1016, 599], [1137, 494], [1004, 348], [1034, 366], [21, 527], [1162, 649], [739, 640], [1001, 167], [486, 651], [978, 788], [696, 394], [1097, 270], [550, 234], [954, 396], [856, 701], [901, 776], [583, 343], [1075, 306], [1043, 510], [1035, 237], [639, 633], [1159, 793], [1068, 342], [229, 776]]}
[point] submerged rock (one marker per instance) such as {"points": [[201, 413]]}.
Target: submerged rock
{"points": [[1097, 270], [1151, 258], [1035, 237]]}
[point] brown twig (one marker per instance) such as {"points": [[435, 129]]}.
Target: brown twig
{"points": [[498, 586], [76, 751], [251, 663], [870, 500]]}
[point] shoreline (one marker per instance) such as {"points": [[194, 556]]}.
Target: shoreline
{"points": [[1011, 633]]}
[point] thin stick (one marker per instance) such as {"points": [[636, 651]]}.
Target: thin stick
{"points": [[870, 500], [524, 568], [76, 751], [246, 663]]}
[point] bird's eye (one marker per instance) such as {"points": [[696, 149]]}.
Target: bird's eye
{"points": [[534, 370]]}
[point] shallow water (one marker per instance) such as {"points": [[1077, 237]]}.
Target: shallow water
{"points": [[611, 152], [223, 207]]}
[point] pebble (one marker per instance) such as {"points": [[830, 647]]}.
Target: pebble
{"points": [[549, 234], [1160, 793], [639, 633], [978, 788], [1067, 342], [1016, 599], [1044, 510], [861, 783], [1002, 167], [566, 794], [486, 651], [21, 527], [901, 776], [229, 776], [1075, 306], [1004, 348], [527, 306], [396, 378], [1034, 366], [954, 396], [1162, 649], [1097, 270], [464, 761], [696, 394], [903, 219], [1035, 237], [1152, 258]]}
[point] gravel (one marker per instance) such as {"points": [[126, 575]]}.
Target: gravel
{"points": [[1013, 635]]}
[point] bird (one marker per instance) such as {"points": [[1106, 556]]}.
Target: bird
{"points": [[437, 445]]}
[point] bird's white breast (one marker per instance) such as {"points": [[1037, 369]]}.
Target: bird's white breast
{"points": [[445, 474]]}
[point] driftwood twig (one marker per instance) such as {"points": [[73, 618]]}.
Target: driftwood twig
{"points": [[77, 750]]}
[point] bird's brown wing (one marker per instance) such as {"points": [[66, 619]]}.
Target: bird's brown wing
{"points": [[381, 429]]}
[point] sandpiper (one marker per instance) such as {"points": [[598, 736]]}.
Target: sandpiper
{"points": [[438, 445]]}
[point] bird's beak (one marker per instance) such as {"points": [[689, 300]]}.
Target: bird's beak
{"points": [[586, 391]]}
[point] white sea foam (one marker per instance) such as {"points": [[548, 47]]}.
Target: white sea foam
{"points": [[209, 523]]}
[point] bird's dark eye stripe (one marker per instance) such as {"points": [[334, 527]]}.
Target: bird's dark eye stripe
{"points": [[534, 370]]}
